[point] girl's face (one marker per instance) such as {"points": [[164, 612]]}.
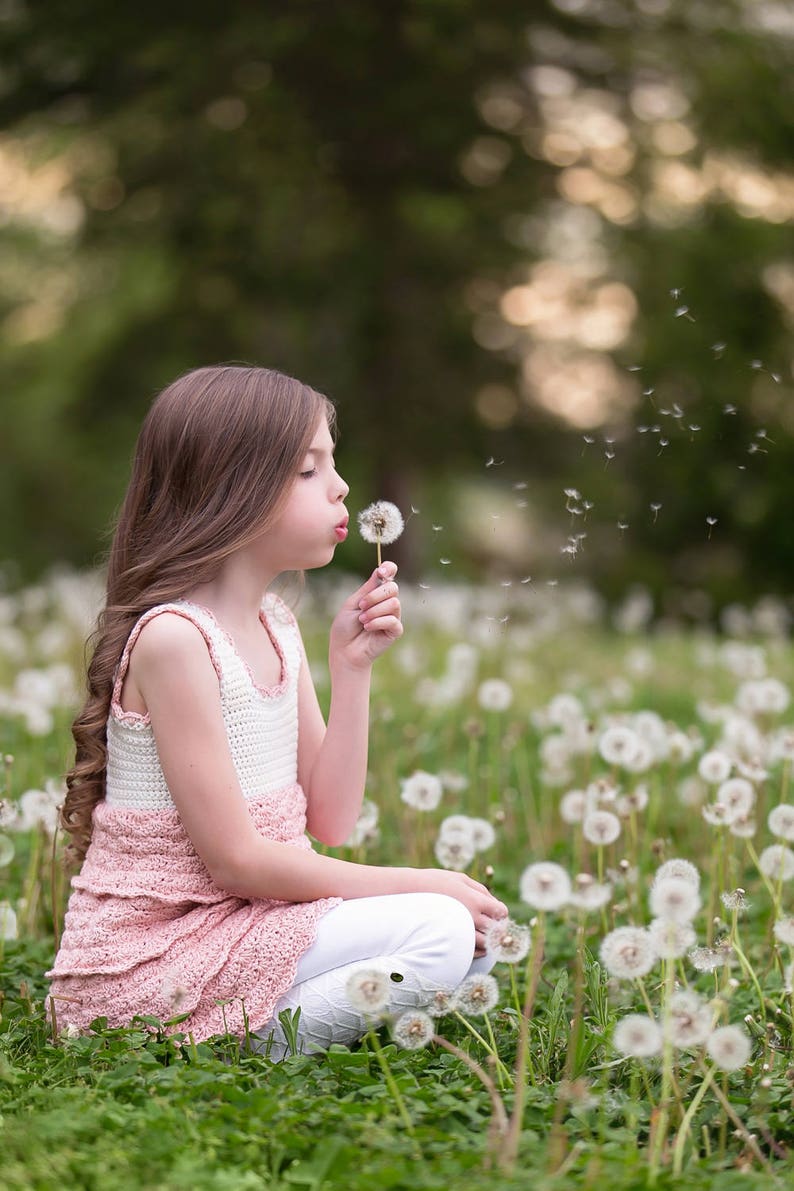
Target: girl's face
{"points": [[314, 519]]}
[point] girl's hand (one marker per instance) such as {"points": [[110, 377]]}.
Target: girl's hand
{"points": [[368, 621], [479, 901]]}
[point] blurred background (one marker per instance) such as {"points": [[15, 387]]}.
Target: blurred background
{"points": [[540, 255]]}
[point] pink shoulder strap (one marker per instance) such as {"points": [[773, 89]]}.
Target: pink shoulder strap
{"points": [[189, 613]]}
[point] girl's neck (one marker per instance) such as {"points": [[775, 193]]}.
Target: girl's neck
{"points": [[235, 594]]}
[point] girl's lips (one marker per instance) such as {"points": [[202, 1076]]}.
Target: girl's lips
{"points": [[341, 533]]}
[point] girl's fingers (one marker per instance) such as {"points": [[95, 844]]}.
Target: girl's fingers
{"points": [[385, 624], [372, 598], [382, 574], [386, 607]]}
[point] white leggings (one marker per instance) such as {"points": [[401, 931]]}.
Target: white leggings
{"points": [[428, 938]]}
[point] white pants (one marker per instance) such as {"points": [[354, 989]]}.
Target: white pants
{"points": [[428, 938]]}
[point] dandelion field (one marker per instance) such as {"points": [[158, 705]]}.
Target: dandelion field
{"points": [[624, 787]]}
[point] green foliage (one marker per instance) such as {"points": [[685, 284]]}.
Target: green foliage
{"points": [[298, 186]]}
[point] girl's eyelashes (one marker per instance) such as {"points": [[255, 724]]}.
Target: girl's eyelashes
{"points": [[307, 475]]}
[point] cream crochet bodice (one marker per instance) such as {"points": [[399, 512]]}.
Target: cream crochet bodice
{"points": [[261, 723]]}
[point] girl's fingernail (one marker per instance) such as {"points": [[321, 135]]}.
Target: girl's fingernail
{"points": [[363, 618]]}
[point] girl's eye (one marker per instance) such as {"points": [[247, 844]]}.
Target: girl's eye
{"points": [[307, 475]]}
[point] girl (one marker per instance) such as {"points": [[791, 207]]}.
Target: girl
{"points": [[202, 755]]}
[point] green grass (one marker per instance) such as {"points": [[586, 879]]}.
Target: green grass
{"points": [[144, 1107]]}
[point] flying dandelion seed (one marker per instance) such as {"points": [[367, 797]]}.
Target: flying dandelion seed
{"points": [[719, 350], [491, 462], [380, 523], [655, 507]]}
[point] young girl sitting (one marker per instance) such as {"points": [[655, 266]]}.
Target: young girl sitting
{"points": [[203, 759]]}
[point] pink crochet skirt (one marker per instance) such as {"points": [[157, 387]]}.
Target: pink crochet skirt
{"points": [[147, 930]]}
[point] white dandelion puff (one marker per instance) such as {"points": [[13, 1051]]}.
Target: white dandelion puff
{"points": [[729, 1048], [545, 886], [780, 821], [8, 922], [784, 931], [369, 990], [637, 1036], [601, 827], [777, 862], [483, 835], [671, 940], [507, 941], [495, 695], [678, 867], [456, 827], [715, 767], [589, 894], [421, 790], [618, 744], [674, 899], [737, 796], [381, 523], [628, 952], [735, 899], [690, 1020], [476, 995], [413, 1030], [573, 805], [708, 959], [456, 853]]}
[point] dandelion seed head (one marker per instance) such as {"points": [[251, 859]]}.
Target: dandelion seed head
{"points": [[777, 862], [456, 853], [421, 790], [708, 959], [781, 821], [637, 1036], [734, 899], [381, 522], [674, 899], [784, 931], [545, 886], [601, 827], [507, 941], [413, 1030], [737, 796], [729, 1048], [476, 995], [715, 767], [671, 940], [680, 868], [368, 990], [589, 894], [495, 695], [628, 952], [689, 1021]]}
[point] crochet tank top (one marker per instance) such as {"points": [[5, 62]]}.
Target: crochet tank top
{"points": [[261, 722]]}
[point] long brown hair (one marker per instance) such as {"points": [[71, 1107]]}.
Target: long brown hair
{"points": [[214, 462]]}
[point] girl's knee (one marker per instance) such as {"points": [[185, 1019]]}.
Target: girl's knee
{"points": [[453, 929]]}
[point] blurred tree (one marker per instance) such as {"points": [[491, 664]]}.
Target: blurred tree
{"points": [[349, 192]]}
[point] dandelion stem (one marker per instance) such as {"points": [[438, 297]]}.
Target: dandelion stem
{"points": [[685, 1126], [523, 1061], [372, 1038], [499, 1120]]}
